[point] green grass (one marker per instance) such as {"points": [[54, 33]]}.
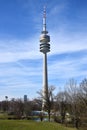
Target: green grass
{"points": [[30, 125], [3, 115]]}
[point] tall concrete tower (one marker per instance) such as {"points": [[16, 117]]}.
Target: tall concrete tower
{"points": [[44, 48]]}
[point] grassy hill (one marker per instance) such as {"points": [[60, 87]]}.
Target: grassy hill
{"points": [[30, 125]]}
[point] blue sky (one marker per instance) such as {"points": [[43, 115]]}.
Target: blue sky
{"points": [[20, 59]]}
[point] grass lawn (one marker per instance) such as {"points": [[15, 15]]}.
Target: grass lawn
{"points": [[30, 125]]}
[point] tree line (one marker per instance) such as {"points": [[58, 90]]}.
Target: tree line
{"points": [[70, 102]]}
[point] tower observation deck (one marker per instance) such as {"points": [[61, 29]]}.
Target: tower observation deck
{"points": [[44, 48]]}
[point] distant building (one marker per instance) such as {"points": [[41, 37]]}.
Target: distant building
{"points": [[25, 98], [37, 113]]}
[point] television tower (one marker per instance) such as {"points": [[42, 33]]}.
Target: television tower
{"points": [[44, 48]]}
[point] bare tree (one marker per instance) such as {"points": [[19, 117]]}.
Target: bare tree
{"points": [[72, 93], [82, 96], [83, 91], [61, 104], [48, 101], [17, 107]]}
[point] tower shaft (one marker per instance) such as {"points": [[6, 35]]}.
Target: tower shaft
{"points": [[45, 81]]}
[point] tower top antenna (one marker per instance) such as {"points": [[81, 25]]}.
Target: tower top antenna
{"points": [[44, 31], [44, 12]]}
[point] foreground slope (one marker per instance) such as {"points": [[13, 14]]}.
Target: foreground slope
{"points": [[30, 125]]}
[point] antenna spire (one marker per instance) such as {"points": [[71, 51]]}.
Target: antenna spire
{"points": [[44, 12], [44, 21]]}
